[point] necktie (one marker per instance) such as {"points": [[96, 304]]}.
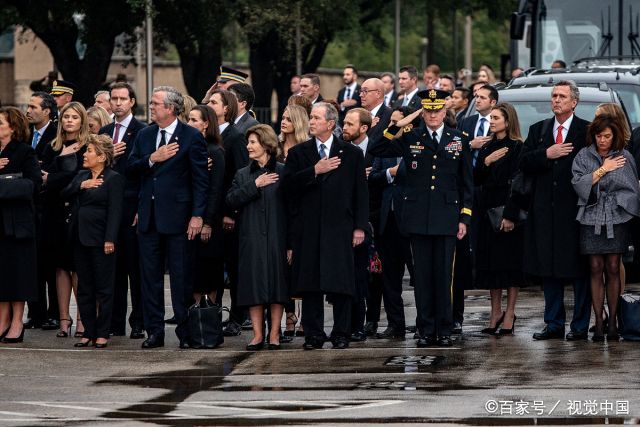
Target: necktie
{"points": [[480, 132], [559, 135], [434, 135], [36, 138], [348, 95], [322, 151], [163, 140], [116, 136]]}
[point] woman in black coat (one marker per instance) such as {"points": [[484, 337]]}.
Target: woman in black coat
{"points": [[62, 159], [209, 260], [20, 180], [499, 253], [96, 195], [256, 194]]}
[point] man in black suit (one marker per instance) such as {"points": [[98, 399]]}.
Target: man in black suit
{"points": [[356, 124], [310, 88], [41, 112], [246, 96], [171, 160], [372, 95], [460, 102], [225, 106], [390, 94], [123, 132], [349, 95], [436, 208], [326, 181], [408, 81], [476, 127], [552, 235]]}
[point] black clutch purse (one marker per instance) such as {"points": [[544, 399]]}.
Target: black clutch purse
{"points": [[495, 216]]}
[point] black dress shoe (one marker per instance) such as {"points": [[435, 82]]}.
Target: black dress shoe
{"points": [[391, 333], [546, 334], [246, 325], [445, 341], [86, 343], [171, 321], [16, 340], [457, 328], [577, 336], [50, 325], [102, 345], [274, 346], [340, 343], [154, 341], [358, 336], [312, 343], [370, 328], [136, 334], [184, 344], [118, 333], [232, 329], [32, 324], [428, 341], [255, 347]]}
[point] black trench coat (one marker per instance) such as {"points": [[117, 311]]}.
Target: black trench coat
{"points": [[329, 208], [552, 234], [262, 231]]}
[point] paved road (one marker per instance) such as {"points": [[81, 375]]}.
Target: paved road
{"points": [[481, 380]]}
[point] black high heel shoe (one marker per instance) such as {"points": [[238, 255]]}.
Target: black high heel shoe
{"points": [[4, 334], [86, 343], [17, 340], [492, 331], [65, 333], [510, 331]]}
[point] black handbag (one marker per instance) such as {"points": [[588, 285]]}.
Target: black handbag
{"points": [[205, 324], [496, 214], [629, 317]]}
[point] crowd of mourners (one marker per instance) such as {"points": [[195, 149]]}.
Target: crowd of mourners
{"points": [[390, 177]]}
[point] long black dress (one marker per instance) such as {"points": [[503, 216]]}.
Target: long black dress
{"points": [[262, 220], [55, 228], [18, 275], [209, 259], [498, 254]]}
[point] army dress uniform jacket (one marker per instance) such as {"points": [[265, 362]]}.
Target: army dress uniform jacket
{"points": [[438, 192]]}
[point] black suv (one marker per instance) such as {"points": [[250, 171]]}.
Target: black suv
{"points": [[623, 79]]}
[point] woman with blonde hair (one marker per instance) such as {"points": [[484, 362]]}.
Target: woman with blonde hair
{"points": [[97, 118], [294, 129], [485, 74], [615, 111], [62, 159], [189, 104]]}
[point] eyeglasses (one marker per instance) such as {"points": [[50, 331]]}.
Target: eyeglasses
{"points": [[366, 91]]}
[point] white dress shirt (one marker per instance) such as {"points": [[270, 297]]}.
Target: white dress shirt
{"points": [[223, 126], [565, 128], [124, 124], [327, 144], [363, 145], [486, 125], [376, 109]]}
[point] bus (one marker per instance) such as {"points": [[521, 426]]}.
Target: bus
{"points": [[543, 31]]}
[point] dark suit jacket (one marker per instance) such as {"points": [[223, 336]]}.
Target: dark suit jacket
{"points": [[17, 216], [245, 123], [414, 104], [552, 234], [355, 96], [320, 99], [177, 187], [330, 207], [45, 139], [236, 157], [132, 185], [394, 98], [375, 133], [388, 191], [634, 146], [97, 212]]}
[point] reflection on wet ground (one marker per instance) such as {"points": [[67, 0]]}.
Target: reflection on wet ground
{"points": [[480, 380]]}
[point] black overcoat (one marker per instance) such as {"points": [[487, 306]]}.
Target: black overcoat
{"points": [[329, 208], [551, 242], [262, 231]]}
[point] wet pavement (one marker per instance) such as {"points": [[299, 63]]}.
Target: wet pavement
{"points": [[512, 380]]}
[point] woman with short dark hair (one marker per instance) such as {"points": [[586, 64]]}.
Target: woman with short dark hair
{"points": [[606, 181], [96, 194], [256, 194], [20, 180]]}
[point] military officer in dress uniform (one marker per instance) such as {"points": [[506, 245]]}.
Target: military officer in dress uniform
{"points": [[438, 195]]}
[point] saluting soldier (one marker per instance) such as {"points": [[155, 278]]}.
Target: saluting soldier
{"points": [[436, 210]]}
